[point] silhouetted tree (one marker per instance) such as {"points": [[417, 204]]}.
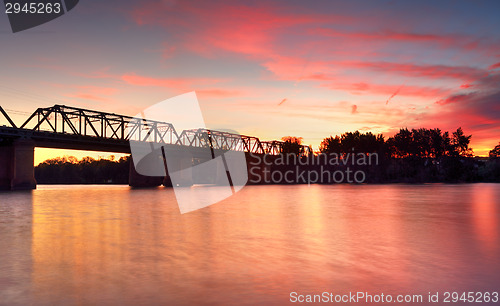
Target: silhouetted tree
{"points": [[429, 143], [460, 143], [292, 144], [400, 144], [353, 142], [331, 145], [496, 151], [68, 170]]}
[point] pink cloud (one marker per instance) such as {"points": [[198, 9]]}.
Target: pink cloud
{"points": [[89, 97], [478, 111], [99, 90], [354, 109], [415, 70], [320, 70], [364, 88], [388, 36], [176, 83], [495, 66], [134, 79], [248, 29], [186, 84], [90, 92], [385, 35], [219, 93], [394, 94], [282, 101], [358, 57]]}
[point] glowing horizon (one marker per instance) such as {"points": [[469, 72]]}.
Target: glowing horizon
{"points": [[43, 154]]}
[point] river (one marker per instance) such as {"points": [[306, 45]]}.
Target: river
{"points": [[107, 245]]}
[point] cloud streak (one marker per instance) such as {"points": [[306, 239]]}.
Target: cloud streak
{"points": [[394, 94]]}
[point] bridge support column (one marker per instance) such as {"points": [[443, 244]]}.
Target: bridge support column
{"points": [[17, 171], [137, 180], [167, 181], [222, 175], [24, 168], [6, 166], [180, 173]]}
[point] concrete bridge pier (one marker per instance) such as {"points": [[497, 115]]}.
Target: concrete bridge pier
{"points": [[141, 181], [232, 168], [17, 171], [259, 168], [222, 175], [6, 167], [180, 171], [24, 165]]}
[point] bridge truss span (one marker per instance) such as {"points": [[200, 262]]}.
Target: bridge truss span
{"points": [[72, 124]]}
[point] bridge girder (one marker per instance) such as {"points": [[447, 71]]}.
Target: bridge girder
{"points": [[89, 124]]}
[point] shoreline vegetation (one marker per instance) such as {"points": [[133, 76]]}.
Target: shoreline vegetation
{"points": [[410, 156]]}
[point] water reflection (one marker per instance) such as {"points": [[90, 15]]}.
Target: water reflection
{"points": [[485, 218], [109, 245], [15, 247]]}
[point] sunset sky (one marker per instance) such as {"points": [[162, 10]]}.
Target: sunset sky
{"points": [[268, 68]]}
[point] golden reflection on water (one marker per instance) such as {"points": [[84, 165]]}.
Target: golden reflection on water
{"points": [[485, 218], [112, 245]]}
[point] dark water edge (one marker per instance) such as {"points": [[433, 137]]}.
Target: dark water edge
{"points": [[402, 170]]}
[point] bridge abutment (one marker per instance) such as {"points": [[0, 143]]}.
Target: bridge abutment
{"points": [[17, 171], [24, 168], [6, 167]]}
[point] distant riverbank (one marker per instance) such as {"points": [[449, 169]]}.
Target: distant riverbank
{"points": [[412, 170]]}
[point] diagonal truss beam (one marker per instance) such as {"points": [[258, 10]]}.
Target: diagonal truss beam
{"points": [[4, 113]]}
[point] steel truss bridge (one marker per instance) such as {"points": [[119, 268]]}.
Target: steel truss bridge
{"points": [[66, 127]]}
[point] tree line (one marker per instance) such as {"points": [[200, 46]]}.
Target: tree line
{"points": [[413, 156], [69, 170], [416, 155], [424, 143]]}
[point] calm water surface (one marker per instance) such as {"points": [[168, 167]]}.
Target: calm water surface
{"points": [[89, 245]]}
